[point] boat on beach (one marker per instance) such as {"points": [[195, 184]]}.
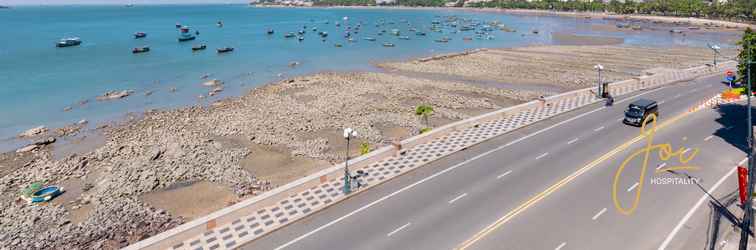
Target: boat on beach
{"points": [[68, 42], [199, 47], [140, 35], [225, 50], [140, 50]]}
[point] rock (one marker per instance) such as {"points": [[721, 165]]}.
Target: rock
{"points": [[156, 153], [48, 141], [33, 131], [28, 148]]}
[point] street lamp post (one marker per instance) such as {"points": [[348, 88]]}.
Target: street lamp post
{"points": [[716, 49], [348, 134], [600, 92], [748, 216]]}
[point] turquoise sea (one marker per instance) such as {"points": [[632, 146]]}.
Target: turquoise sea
{"points": [[39, 80]]}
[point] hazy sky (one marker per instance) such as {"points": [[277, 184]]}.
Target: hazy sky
{"points": [[59, 2]]}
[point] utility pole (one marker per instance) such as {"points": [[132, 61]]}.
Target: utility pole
{"points": [[348, 134], [748, 216]]}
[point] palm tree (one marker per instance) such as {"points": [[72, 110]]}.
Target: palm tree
{"points": [[425, 111]]}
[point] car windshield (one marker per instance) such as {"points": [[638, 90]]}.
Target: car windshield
{"points": [[634, 111]]}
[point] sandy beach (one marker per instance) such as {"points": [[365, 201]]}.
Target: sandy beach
{"points": [[165, 167]]}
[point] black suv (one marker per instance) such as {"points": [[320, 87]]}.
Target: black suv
{"points": [[639, 110]]}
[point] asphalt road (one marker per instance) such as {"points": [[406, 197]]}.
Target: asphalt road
{"points": [[457, 199]]}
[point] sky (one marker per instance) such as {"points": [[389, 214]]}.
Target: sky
{"points": [[61, 2]]}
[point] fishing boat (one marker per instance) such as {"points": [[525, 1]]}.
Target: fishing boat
{"points": [[404, 37], [219, 23], [290, 35], [338, 45], [185, 35], [387, 44], [467, 38], [372, 39], [199, 47], [323, 34], [535, 31], [68, 42], [225, 50], [300, 38], [302, 32], [140, 35], [270, 31], [395, 32], [178, 25], [140, 50], [443, 40], [420, 33], [44, 194]]}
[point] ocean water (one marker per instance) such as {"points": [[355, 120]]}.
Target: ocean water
{"points": [[38, 80]]}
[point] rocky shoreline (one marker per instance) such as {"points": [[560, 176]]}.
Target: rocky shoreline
{"points": [[302, 117]]}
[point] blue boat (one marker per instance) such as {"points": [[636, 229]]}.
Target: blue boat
{"points": [[45, 194], [185, 35]]}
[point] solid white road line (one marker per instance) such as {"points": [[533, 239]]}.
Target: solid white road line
{"points": [[695, 207], [301, 237], [504, 174], [708, 138], [661, 166], [397, 230], [458, 197], [632, 187], [599, 214], [542, 155], [572, 141], [560, 246], [599, 128]]}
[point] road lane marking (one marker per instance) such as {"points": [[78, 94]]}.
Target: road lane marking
{"points": [[708, 138], [542, 155], [695, 207], [662, 102], [677, 96], [661, 166], [560, 246], [542, 195], [599, 214], [572, 141], [397, 230], [504, 174], [599, 128], [633, 187], [350, 214], [458, 197]]}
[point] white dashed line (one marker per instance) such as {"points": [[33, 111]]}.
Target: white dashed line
{"points": [[677, 96], [572, 141], [662, 102], [708, 138], [560, 246], [541, 156], [661, 166], [598, 129], [458, 197], [504, 174], [599, 214], [397, 230], [632, 187]]}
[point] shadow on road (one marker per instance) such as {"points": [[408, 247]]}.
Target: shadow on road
{"points": [[733, 119]]}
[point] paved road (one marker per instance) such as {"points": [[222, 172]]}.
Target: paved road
{"points": [[447, 202]]}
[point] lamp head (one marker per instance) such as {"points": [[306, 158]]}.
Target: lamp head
{"points": [[599, 67]]}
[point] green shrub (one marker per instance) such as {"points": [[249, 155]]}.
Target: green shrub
{"points": [[364, 148], [29, 190]]}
